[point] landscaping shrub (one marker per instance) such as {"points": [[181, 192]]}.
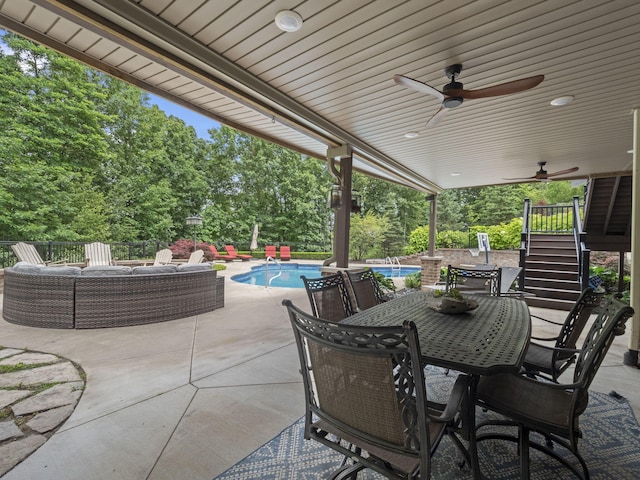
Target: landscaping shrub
{"points": [[413, 280]]}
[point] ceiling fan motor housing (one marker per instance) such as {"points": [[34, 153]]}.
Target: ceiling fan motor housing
{"points": [[452, 102]]}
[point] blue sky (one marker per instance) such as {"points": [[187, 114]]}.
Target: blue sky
{"points": [[191, 118]]}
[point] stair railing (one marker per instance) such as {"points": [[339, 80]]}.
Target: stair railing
{"points": [[583, 254]]}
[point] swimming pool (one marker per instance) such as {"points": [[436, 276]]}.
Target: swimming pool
{"points": [[290, 274]]}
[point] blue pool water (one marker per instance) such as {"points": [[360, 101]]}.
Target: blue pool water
{"points": [[291, 272]]}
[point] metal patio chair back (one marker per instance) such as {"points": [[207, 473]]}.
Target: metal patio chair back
{"points": [[551, 361], [329, 297], [366, 387], [551, 409], [473, 280], [366, 288]]}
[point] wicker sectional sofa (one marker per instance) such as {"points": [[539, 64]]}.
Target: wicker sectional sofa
{"points": [[96, 297]]}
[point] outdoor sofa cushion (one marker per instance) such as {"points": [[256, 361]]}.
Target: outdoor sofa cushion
{"points": [[106, 270], [34, 269], [60, 270], [27, 267], [153, 269]]}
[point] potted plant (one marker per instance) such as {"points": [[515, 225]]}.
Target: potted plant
{"points": [[451, 301]]}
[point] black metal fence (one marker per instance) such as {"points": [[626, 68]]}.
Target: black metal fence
{"points": [[73, 252]]}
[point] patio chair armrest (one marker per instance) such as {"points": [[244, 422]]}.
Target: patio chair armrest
{"points": [[544, 339], [560, 350], [458, 393], [547, 320]]}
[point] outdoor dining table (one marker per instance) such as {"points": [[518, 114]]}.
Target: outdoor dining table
{"points": [[490, 339]]}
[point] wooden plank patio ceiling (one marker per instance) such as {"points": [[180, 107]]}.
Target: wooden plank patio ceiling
{"points": [[331, 82]]}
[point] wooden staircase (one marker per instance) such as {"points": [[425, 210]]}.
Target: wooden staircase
{"points": [[552, 271]]}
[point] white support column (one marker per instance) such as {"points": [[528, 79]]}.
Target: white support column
{"points": [[631, 357]]}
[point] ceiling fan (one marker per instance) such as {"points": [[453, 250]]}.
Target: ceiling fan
{"points": [[542, 174], [453, 93]]}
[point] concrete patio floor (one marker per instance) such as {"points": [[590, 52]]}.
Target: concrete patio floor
{"points": [[188, 398]]}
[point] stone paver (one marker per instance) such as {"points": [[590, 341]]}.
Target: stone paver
{"points": [[14, 452], [29, 358], [9, 429], [56, 396], [7, 397], [44, 412], [58, 372], [7, 352], [47, 421]]}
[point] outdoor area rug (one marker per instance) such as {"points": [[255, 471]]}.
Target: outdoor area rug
{"points": [[610, 446]]}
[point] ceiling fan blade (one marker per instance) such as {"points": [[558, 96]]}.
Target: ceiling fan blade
{"points": [[437, 118], [418, 86], [521, 178], [508, 88], [563, 172]]}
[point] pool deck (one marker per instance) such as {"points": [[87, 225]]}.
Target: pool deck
{"points": [[188, 398]]}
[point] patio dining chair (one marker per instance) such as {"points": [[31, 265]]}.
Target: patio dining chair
{"points": [[553, 410], [550, 362], [366, 289], [329, 297], [473, 280], [365, 396]]}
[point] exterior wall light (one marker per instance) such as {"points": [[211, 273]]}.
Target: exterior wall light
{"points": [[334, 199]]}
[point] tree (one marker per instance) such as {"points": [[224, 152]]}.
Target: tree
{"points": [[281, 190], [367, 235], [51, 143]]}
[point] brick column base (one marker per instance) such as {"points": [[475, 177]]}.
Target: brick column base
{"points": [[430, 270]]}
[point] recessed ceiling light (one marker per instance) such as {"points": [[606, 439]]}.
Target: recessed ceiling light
{"points": [[288, 20], [560, 101], [455, 174], [411, 135]]}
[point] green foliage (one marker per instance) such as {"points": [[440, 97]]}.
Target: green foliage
{"points": [[451, 239], [367, 234], [413, 280], [418, 240], [505, 236], [386, 284], [218, 266], [451, 293], [610, 278]]}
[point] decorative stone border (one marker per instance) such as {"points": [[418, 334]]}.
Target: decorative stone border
{"points": [[38, 392]]}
